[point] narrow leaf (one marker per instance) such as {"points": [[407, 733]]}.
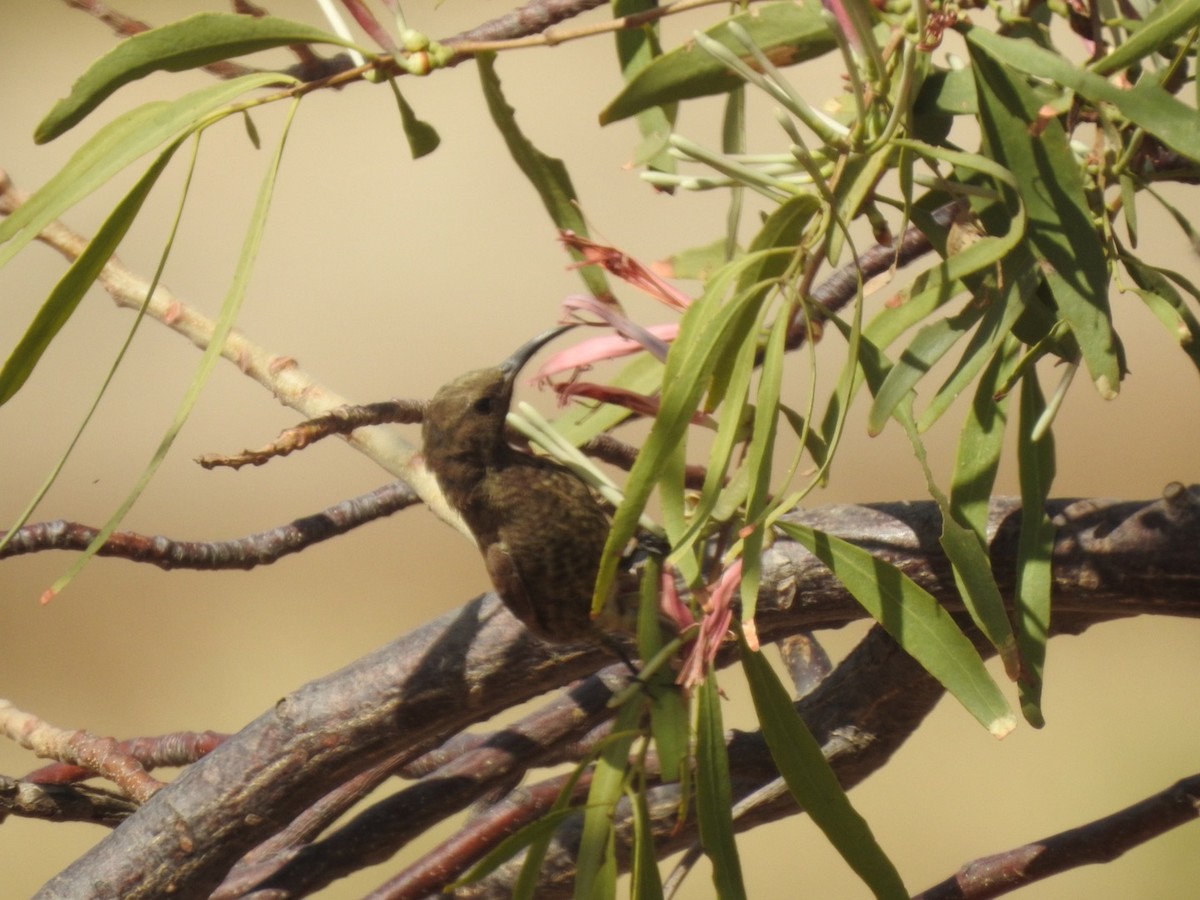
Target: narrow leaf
{"points": [[76, 281], [636, 49], [709, 328], [1168, 20], [980, 444], [422, 137], [645, 880], [788, 33], [1061, 232], [668, 710], [760, 458], [547, 175], [1146, 105], [931, 343], [1035, 546], [714, 800], [225, 320], [114, 147], [915, 619], [812, 781], [1166, 303], [187, 44], [608, 784], [540, 829]]}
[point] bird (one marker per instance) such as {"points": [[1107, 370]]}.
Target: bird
{"points": [[540, 528]]}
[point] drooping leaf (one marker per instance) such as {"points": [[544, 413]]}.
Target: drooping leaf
{"points": [[608, 785], [114, 147], [788, 32], [1035, 547], [915, 619], [1061, 232], [636, 49], [714, 800], [187, 44], [76, 281], [422, 137], [208, 360], [1161, 297], [930, 344], [1146, 104], [547, 174], [710, 327], [980, 444], [645, 880], [999, 319], [812, 781], [1168, 20], [760, 457]]}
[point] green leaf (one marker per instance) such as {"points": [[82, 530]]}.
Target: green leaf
{"points": [[1035, 547], [187, 44], [100, 392], [788, 32], [422, 137], [760, 456], [708, 330], [540, 829], [968, 555], [547, 175], [695, 262], [608, 784], [999, 318], [1166, 303], [645, 881], [930, 344], [1168, 20], [224, 324], [114, 147], [636, 49], [1146, 105], [1061, 232], [730, 431], [812, 781], [668, 710], [915, 619], [76, 281], [980, 444], [714, 800]]}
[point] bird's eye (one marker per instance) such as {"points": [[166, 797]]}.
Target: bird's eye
{"points": [[483, 405]]}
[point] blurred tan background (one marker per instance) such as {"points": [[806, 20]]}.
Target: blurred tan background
{"points": [[385, 277]]}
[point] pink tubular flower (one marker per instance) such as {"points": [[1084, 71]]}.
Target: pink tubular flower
{"points": [[718, 616]]}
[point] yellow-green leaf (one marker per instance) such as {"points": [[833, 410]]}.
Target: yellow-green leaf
{"points": [[714, 800], [915, 619], [788, 33], [812, 781], [547, 174], [187, 44], [114, 147]]}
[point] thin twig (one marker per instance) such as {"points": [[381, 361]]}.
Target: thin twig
{"points": [[247, 552], [100, 755], [63, 803]]}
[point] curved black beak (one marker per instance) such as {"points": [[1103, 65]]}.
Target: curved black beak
{"points": [[511, 366]]}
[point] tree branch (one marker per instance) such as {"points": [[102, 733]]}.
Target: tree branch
{"points": [[1100, 841], [247, 552], [1111, 560]]}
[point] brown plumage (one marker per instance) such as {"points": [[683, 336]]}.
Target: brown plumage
{"points": [[540, 528]]}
